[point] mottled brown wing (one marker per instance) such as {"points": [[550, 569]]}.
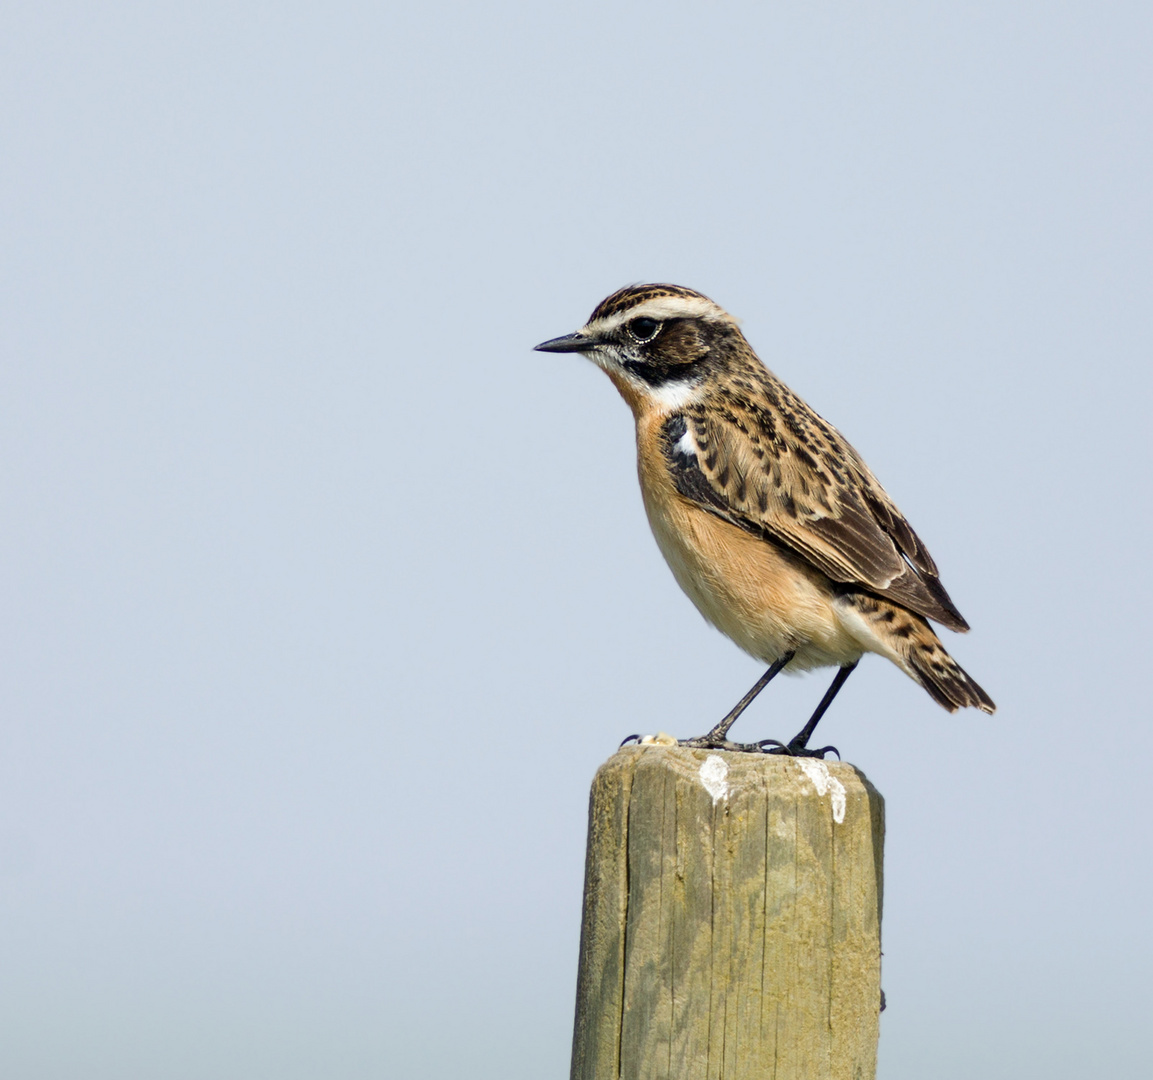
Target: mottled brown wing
{"points": [[885, 511], [809, 491]]}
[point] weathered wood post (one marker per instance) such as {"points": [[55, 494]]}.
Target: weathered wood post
{"points": [[732, 917]]}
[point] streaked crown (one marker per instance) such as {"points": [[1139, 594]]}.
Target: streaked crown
{"points": [[655, 301]]}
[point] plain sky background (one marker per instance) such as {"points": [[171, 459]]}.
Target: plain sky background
{"points": [[323, 596]]}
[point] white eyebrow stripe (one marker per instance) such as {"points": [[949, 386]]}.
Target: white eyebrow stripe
{"points": [[660, 308]]}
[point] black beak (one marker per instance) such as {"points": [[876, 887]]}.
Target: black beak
{"points": [[568, 343]]}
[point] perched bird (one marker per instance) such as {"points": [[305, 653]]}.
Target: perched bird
{"points": [[768, 518]]}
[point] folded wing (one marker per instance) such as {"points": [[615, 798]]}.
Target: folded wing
{"points": [[809, 491]]}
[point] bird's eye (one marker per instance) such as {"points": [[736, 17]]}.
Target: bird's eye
{"points": [[643, 329]]}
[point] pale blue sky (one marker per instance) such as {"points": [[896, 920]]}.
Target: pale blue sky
{"points": [[323, 595]]}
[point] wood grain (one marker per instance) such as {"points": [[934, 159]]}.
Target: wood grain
{"points": [[731, 938]]}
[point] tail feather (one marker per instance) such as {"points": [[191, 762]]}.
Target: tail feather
{"points": [[910, 642], [949, 684]]}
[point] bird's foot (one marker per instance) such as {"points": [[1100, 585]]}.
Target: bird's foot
{"points": [[715, 742], [702, 742], [794, 749]]}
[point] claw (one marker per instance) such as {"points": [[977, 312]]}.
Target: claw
{"points": [[781, 747], [659, 739], [804, 751], [793, 750]]}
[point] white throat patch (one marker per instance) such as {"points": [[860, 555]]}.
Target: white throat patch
{"points": [[672, 397]]}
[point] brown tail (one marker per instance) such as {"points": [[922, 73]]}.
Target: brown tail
{"points": [[946, 681], [920, 653]]}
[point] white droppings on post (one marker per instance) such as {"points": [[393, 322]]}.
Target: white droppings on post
{"points": [[837, 798], [713, 776], [818, 772]]}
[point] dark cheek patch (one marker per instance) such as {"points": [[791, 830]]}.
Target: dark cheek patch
{"points": [[673, 355]]}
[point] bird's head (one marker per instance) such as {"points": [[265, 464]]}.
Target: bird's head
{"points": [[654, 341]]}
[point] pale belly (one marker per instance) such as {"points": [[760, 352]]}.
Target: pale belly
{"points": [[766, 600]]}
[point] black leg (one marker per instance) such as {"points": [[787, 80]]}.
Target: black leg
{"points": [[798, 744], [717, 738]]}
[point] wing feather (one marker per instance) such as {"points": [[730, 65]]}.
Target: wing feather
{"points": [[782, 472]]}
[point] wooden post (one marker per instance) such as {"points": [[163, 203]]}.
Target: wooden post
{"points": [[732, 915]]}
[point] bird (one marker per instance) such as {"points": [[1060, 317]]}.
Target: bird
{"points": [[770, 521]]}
